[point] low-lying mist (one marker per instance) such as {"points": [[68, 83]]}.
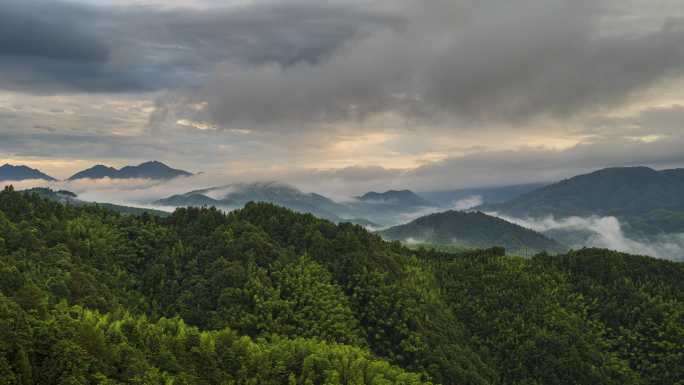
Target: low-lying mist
{"points": [[604, 232]]}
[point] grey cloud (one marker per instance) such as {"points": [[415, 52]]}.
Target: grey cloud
{"points": [[520, 59], [282, 64], [58, 31], [473, 60], [57, 46]]}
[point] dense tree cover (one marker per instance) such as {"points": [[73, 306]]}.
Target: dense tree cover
{"points": [[267, 296]]}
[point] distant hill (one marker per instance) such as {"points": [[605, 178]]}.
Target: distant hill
{"points": [[646, 201], [617, 190], [148, 170], [63, 196], [485, 195], [237, 195], [390, 207], [10, 172], [471, 229], [395, 197]]}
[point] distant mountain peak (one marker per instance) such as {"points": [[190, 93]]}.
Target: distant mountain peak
{"points": [[148, 170], [9, 172]]}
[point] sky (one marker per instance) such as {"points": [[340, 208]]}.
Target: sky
{"points": [[344, 95]]}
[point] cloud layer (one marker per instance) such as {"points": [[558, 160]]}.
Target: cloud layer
{"points": [[438, 94]]}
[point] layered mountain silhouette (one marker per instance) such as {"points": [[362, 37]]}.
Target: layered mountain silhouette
{"points": [[10, 172], [372, 209], [148, 170], [471, 229], [237, 195]]}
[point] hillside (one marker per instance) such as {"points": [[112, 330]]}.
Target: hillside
{"points": [[649, 204], [620, 190], [148, 170], [265, 295], [471, 229], [10, 172]]}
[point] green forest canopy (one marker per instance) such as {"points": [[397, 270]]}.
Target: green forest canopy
{"points": [[267, 296]]}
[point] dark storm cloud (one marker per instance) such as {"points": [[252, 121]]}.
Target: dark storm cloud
{"points": [[54, 46], [292, 64], [49, 30]]}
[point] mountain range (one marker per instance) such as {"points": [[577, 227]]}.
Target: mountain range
{"points": [[474, 230], [10, 172], [372, 209], [148, 170]]}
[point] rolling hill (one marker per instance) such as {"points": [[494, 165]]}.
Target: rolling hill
{"points": [[471, 229], [148, 170]]}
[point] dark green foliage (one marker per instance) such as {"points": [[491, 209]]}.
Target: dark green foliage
{"points": [[267, 296]]}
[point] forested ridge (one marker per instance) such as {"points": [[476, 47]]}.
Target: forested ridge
{"points": [[264, 295]]}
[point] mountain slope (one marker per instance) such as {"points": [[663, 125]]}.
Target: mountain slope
{"points": [[148, 170], [10, 172], [472, 229], [620, 190], [647, 203]]}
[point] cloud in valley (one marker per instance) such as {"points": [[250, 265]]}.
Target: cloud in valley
{"points": [[604, 232]]}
